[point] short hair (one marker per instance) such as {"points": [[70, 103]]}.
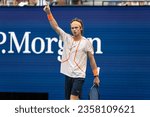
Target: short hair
{"points": [[78, 20]]}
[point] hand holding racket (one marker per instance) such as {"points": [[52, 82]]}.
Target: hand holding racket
{"points": [[96, 79]]}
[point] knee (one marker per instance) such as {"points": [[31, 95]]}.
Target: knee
{"points": [[73, 97]]}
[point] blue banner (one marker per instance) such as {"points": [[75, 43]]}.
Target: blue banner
{"points": [[30, 51]]}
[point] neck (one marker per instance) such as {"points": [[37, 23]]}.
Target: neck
{"points": [[77, 38]]}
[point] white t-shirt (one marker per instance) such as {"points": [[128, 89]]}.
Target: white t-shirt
{"points": [[74, 57]]}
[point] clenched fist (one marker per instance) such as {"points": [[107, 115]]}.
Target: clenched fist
{"points": [[47, 8]]}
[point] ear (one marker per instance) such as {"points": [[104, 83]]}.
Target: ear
{"points": [[81, 28]]}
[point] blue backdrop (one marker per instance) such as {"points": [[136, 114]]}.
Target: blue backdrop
{"points": [[125, 42]]}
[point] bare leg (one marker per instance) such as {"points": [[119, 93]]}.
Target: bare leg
{"points": [[73, 97]]}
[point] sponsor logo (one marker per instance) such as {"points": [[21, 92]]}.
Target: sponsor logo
{"points": [[37, 45]]}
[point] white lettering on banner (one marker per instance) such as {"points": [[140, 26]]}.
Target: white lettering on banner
{"points": [[28, 46], [33, 45], [3, 38], [60, 51], [13, 38], [99, 51], [49, 48]]}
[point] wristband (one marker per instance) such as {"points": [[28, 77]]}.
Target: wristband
{"points": [[95, 72], [50, 17]]}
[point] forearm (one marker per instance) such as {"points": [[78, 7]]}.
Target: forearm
{"points": [[51, 19], [93, 64], [53, 22], [94, 67]]}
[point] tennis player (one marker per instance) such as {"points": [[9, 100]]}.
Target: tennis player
{"points": [[76, 50]]}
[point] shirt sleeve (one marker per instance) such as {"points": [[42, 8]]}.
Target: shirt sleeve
{"points": [[89, 47], [63, 35]]}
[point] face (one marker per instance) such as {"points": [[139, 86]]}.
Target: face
{"points": [[76, 28]]}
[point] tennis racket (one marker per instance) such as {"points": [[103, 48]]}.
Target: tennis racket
{"points": [[94, 93]]}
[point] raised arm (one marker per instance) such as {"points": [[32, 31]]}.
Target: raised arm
{"points": [[51, 19]]}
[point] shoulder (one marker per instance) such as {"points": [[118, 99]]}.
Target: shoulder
{"points": [[63, 35], [86, 40]]}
